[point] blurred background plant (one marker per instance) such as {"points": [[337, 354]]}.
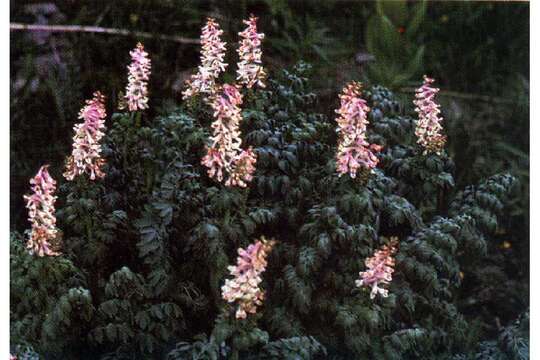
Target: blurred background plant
{"points": [[392, 34], [477, 51]]}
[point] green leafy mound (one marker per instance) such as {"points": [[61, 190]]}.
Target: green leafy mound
{"points": [[146, 249]]}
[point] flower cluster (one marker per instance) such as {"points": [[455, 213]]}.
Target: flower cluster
{"points": [[379, 269], [243, 169], [250, 71], [244, 287], [86, 153], [138, 75], [225, 154], [212, 61], [428, 128], [41, 214], [353, 149]]}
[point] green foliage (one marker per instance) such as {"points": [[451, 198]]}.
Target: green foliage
{"points": [[391, 37], [147, 248]]}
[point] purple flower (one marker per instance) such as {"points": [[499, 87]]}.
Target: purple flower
{"points": [[354, 151], [86, 154], [379, 269], [250, 71], [138, 75], [428, 128], [43, 239]]}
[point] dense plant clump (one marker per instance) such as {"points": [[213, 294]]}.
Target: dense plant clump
{"points": [[148, 247]]}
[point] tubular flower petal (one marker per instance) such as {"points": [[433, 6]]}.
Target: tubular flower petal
{"points": [[244, 287], [41, 214], [379, 269], [250, 71], [353, 149], [428, 128], [138, 75], [243, 170], [225, 154], [212, 61], [86, 154]]}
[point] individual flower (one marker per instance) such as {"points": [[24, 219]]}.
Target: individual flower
{"points": [[428, 128], [212, 61], [136, 96], [225, 155], [86, 154], [243, 169], [250, 70], [244, 287], [41, 214], [354, 151], [379, 269]]}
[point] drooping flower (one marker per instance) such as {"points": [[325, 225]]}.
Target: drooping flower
{"points": [[225, 155], [429, 127], [379, 269], [250, 70], [43, 239], [86, 154], [244, 287], [212, 61], [354, 151], [136, 96]]}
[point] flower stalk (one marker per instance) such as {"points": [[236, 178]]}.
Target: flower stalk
{"points": [[244, 288], [379, 269], [428, 128], [43, 239], [86, 154], [212, 62], [250, 70], [354, 152]]}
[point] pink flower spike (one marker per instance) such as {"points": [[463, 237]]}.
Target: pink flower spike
{"points": [[354, 151], [250, 71], [244, 287], [212, 62], [86, 154], [225, 155], [43, 239], [138, 75], [379, 269], [428, 128]]}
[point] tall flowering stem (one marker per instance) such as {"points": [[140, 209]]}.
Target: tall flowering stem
{"points": [[212, 61], [136, 97], [43, 238], [225, 155], [250, 70], [428, 128], [354, 151], [244, 287], [379, 269], [86, 154]]}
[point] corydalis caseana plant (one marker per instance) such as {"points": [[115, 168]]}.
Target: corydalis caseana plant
{"points": [[353, 149], [250, 70], [212, 61], [136, 97], [244, 287], [428, 128], [379, 269], [41, 214], [86, 154], [225, 154]]}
